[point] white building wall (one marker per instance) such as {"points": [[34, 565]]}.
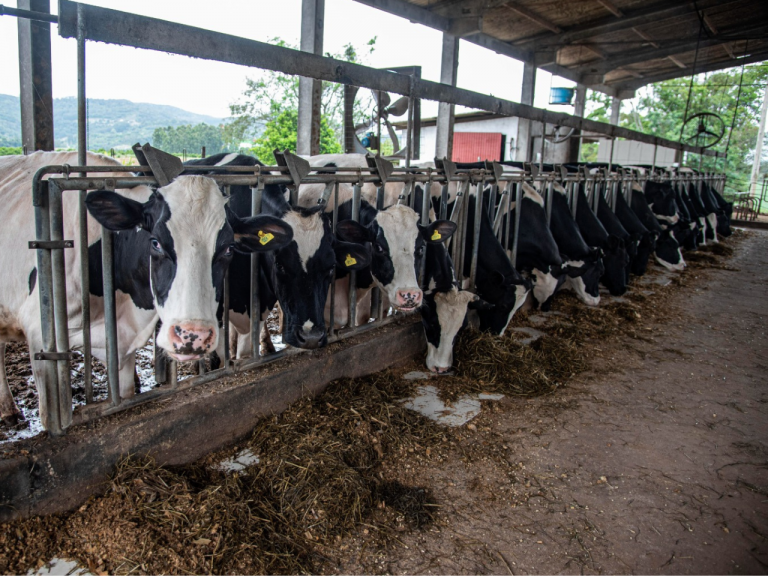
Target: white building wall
{"points": [[506, 126], [628, 152]]}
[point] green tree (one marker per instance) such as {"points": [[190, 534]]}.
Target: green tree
{"points": [[280, 133], [660, 108], [190, 138], [272, 93]]}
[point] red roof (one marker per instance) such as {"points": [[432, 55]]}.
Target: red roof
{"points": [[476, 146]]}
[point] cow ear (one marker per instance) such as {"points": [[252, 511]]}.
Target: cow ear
{"points": [[479, 304], [351, 231], [437, 232], [352, 256], [115, 212], [260, 233]]}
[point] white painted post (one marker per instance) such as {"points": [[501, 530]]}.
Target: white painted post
{"points": [[445, 112], [524, 127], [615, 110], [759, 146], [310, 90]]}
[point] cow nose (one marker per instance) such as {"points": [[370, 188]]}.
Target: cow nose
{"points": [[310, 339], [191, 341], [409, 298], [440, 369]]}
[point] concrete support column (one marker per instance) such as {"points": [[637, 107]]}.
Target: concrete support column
{"points": [[579, 105], [445, 112], [525, 127], [615, 111], [310, 90], [36, 95]]}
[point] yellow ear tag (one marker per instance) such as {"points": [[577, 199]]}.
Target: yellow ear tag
{"points": [[436, 235], [265, 239], [350, 261]]}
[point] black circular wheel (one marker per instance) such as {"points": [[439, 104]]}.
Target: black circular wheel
{"points": [[704, 129]]}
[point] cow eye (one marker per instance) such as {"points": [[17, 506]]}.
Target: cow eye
{"points": [[419, 252], [156, 245], [230, 250], [379, 248]]}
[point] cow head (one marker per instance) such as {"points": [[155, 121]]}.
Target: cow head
{"points": [[616, 261], [661, 200], [189, 237], [645, 248], [723, 224], [443, 314], [668, 253], [303, 272], [398, 244], [507, 292], [583, 276]]}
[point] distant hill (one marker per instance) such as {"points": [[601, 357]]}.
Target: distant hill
{"points": [[111, 123]]}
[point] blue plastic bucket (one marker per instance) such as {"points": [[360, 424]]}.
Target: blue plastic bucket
{"points": [[561, 95]]}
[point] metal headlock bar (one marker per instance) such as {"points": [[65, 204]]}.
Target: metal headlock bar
{"points": [[126, 29], [57, 355]]}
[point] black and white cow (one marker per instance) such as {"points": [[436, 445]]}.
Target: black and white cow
{"points": [[612, 243], [667, 251], [537, 251], [172, 248], [646, 242], [583, 266], [444, 308], [497, 282], [614, 227], [299, 274]]}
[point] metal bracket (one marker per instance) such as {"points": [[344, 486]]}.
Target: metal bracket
{"points": [[298, 168], [323, 200], [447, 166], [50, 244], [380, 167], [54, 355], [165, 167]]}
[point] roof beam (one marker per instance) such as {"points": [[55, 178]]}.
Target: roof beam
{"points": [[667, 50], [708, 24], [677, 62], [672, 74], [645, 37], [729, 50], [533, 17], [611, 7], [651, 15]]}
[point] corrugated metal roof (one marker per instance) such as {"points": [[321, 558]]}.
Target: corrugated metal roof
{"points": [[477, 146]]}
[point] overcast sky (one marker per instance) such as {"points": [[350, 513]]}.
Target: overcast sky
{"points": [[209, 87]]}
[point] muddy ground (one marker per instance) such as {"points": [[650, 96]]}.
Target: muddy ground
{"points": [[653, 460]]}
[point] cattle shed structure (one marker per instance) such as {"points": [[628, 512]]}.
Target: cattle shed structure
{"points": [[586, 42]]}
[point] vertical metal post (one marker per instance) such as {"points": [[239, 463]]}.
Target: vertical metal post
{"points": [[445, 112], [85, 296], [310, 90], [550, 191], [655, 151], [110, 315], [610, 161], [256, 194], [225, 315], [49, 393], [476, 231], [35, 79], [161, 359], [82, 140], [444, 200], [425, 201], [409, 126], [60, 304], [356, 191], [518, 211], [376, 299], [334, 220]]}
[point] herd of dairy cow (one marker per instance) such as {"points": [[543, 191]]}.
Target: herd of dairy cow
{"points": [[173, 246]]}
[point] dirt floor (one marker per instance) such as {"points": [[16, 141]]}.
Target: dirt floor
{"points": [[654, 461], [646, 453]]}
